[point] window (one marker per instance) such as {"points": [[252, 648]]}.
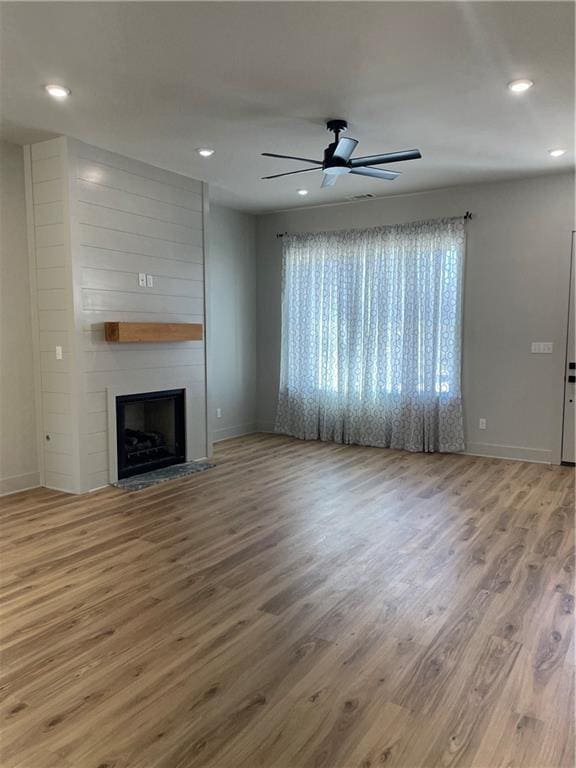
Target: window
{"points": [[371, 335]]}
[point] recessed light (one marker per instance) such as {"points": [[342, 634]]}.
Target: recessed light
{"points": [[556, 152], [302, 192], [519, 86], [59, 92], [205, 151]]}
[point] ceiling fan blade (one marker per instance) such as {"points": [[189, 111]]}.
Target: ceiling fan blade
{"points": [[290, 157], [376, 173], [291, 173], [329, 180], [390, 157], [344, 148]]}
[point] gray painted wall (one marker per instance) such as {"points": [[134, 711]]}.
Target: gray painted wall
{"points": [[231, 286], [18, 455], [516, 292]]}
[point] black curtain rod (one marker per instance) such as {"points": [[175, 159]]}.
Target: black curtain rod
{"points": [[467, 216]]}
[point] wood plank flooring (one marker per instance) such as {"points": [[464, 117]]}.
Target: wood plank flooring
{"points": [[301, 605]]}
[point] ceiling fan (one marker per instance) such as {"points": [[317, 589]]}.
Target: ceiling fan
{"points": [[338, 159]]}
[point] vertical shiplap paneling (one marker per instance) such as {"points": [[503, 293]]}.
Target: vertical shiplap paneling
{"points": [[53, 300], [129, 217]]}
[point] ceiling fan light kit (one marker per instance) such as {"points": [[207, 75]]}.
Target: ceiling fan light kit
{"points": [[338, 159]]}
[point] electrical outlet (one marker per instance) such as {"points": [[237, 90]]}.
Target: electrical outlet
{"points": [[142, 279], [150, 281], [218, 413], [58, 353], [542, 347], [482, 424]]}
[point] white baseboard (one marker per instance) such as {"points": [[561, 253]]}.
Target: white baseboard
{"points": [[18, 483], [514, 452], [236, 431], [490, 450]]}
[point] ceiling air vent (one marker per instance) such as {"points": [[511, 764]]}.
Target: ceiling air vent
{"points": [[367, 196]]}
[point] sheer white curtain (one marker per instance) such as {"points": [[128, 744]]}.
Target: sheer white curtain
{"points": [[371, 336]]}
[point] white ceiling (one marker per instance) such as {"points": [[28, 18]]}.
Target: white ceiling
{"points": [[156, 80]]}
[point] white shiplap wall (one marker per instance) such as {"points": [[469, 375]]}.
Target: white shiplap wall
{"points": [[124, 217], [129, 217], [53, 312]]}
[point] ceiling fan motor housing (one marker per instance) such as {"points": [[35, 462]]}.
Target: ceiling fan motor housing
{"points": [[331, 162], [335, 165]]}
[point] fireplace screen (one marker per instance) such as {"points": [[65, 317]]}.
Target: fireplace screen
{"points": [[150, 431]]}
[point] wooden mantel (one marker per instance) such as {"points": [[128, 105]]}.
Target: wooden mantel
{"points": [[146, 332]]}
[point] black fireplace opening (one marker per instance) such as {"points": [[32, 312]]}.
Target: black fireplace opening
{"points": [[150, 431]]}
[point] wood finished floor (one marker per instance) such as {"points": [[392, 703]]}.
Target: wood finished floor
{"points": [[302, 605]]}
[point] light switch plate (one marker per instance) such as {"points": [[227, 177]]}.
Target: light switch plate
{"points": [[142, 279], [542, 347], [58, 353], [150, 281], [481, 423]]}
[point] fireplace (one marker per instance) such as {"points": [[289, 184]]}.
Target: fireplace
{"points": [[150, 431]]}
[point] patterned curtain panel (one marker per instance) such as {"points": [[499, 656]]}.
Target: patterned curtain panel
{"points": [[371, 336]]}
